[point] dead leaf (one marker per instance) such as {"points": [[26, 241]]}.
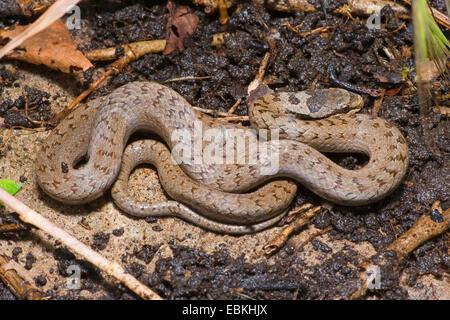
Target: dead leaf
{"points": [[52, 47], [56, 11], [181, 24]]}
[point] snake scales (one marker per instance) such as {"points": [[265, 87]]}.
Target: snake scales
{"points": [[217, 195]]}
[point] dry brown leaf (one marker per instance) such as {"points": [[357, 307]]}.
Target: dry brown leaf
{"points": [[52, 47], [181, 24], [56, 11]]}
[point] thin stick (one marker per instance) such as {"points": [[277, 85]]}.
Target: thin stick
{"points": [[28, 215], [132, 52], [82, 96], [223, 12], [422, 230], [281, 238], [314, 235], [260, 76], [234, 107], [234, 118], [187, 78], [378, 103]]}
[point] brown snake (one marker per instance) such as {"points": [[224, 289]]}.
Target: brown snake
{"points": [[102, 128]]}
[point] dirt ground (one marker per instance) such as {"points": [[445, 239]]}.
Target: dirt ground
{"points": [[182, 261]]}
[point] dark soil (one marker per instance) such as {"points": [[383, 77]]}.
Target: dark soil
{"points": [[297, 63]]}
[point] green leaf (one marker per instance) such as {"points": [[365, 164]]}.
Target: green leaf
{"points": [[10, 186]]}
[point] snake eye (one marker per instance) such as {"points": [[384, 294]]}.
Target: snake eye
{"points": [[345, 107]]}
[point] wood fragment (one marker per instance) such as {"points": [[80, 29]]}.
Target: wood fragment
{"points": [[223, 11], [132, 52], [225, 116], [377, 103], [280, 239], [369, 7], [314, 235], [445, 111], [187, 78], [260, 76], [233, 118], [234, 107], [136, 49], [423, 230], [288, 5], [18, 280], [218, 39]]}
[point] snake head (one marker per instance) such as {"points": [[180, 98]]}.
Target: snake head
{"points": [[321, 103], [311, 104]]}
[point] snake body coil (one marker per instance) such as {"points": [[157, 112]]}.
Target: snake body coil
{"points": [[100, 130]]}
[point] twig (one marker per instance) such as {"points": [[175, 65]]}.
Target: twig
{"points": [[234, 118], [131, 52], [422, 230], [216, 113], [317, 30], [314, 235], [223, 11], [377, 103], [402, 26], [234, 107], [281, 238], [18, 280], [9, 228], [112, 268], [4, 141], [187, 78], [260, 76], [136, 48], [294, 29]]}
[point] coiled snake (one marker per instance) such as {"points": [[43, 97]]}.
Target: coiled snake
{"points": [[215, 194]]}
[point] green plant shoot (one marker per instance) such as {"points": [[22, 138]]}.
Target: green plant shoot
{"points": [[10, 186]]}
